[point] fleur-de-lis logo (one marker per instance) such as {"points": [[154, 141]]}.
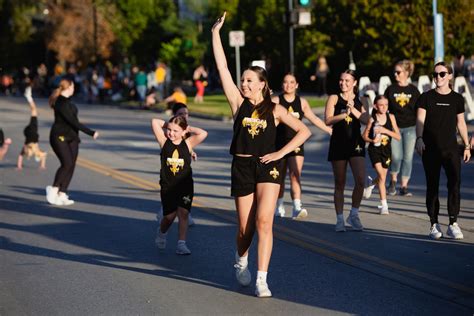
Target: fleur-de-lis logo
{"points": [[274, 173], [186, 199], [61, 138], [292, 112], [297, 150], [402, 99], [175, 163], [384, 140], [254, 123], [348, 119], [388, 161], [358, 149]]}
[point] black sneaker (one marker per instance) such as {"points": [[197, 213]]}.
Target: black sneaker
{"points": [[404, 192], [392, 188]]}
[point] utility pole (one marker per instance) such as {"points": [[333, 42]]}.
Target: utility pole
{"points": [[291, 36]]}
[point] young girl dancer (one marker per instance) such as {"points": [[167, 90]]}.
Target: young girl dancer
{"points": [[299, 108], [256, 163], [344, 112], [380, 130], [31, 146], [176, 178]]}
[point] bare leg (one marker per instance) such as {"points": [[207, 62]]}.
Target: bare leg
{"points": [[295, 165], [183, 223], [381, 177], [246, 207]]}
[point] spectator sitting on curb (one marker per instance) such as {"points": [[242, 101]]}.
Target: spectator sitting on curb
{"points": [[178, 96]]}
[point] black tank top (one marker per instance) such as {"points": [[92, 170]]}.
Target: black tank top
{"points": [[175, 164], [253, 135], [285, 133], [349, 128], [31, 131], [385, 141]]}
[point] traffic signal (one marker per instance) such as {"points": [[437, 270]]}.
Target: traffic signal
{"points": [[303, 3]]}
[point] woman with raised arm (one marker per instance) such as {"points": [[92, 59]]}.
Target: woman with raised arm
{"points": [[299, 108], [256, 168], [344, 112], [440, 113]]}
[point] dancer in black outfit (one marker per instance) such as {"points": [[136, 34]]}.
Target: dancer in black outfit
{"points": [[344, 112], [440, 112], [64, 139]]}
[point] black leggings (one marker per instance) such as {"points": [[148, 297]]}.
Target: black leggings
{"points": [[67, 154], [451, 163]]}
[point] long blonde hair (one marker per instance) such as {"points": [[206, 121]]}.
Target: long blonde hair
{"points": [[63, 85]]}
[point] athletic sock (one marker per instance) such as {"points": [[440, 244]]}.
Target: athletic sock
{"points": [[354, 211], [297, 204]]}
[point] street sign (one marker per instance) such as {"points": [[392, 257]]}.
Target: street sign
{"points": [[236, 38]]}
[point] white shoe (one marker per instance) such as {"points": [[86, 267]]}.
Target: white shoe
{"points": [[369, 188], [435, 232], [52, 195], [63, 199], [262, 290], [384, 210], [182, 249], [299, 214], [160, 239], [454, 232], [340, 226], [242, 274], [354, 221], [280, 211], [191, 221]]}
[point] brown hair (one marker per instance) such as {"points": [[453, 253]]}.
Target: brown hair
{"points": [[377, 98], [63, 85], [448, 67], [354, 75], [266, 106], [179, 120], [407, 65]]}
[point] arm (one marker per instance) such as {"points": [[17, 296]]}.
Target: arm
{"points": [[158, 126], [362, 115], [197, 137], [396, 132], [316, 121], [330, 118], [302, 134], [231, 91], [462, 130], [365, 134], [65, 111], [420, 124]]}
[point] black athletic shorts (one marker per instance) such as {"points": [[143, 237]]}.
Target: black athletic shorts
{"points": [[178, 196], [297, 152], [248, 171], [380, 154]]}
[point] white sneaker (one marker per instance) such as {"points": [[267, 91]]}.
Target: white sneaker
{"points": [[435, 232], [369, 188], [299, 214], [262, 290], [242, 274], [454, 232], [280, 211], [182, 249], [384, 210], [63, 199], [191, 221], [340, 226], [354, 221], [52, 195], [160, 239]]}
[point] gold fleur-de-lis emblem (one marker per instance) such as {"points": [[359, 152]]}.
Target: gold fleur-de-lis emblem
{"points": [[292, 112], [175, 163], [348, 119], [402, 99], [274, 173], [186, 199], [388, 161], [358, 149], [61, 138], [384, 140], [297, 150], [254, 124]]}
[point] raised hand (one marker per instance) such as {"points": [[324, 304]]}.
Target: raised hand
{"points": [[220, 21]]}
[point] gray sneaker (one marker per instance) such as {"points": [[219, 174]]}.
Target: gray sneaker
{"points": [[392, 188], [242, 274], [262, 290], [435, 232], [454, 232], [182, 249], [340, 226], [354, 221]]}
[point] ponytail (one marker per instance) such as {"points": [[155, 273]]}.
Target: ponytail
{"points": [[63, 85]]}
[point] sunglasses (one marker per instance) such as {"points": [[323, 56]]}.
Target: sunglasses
{"points": [[441, 74]]}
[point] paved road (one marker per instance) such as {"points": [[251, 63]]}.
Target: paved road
{"points": [[98, 256]]}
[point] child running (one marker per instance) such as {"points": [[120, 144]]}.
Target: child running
{"points": [[380, 130], [176, 178], [31, 146]]}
